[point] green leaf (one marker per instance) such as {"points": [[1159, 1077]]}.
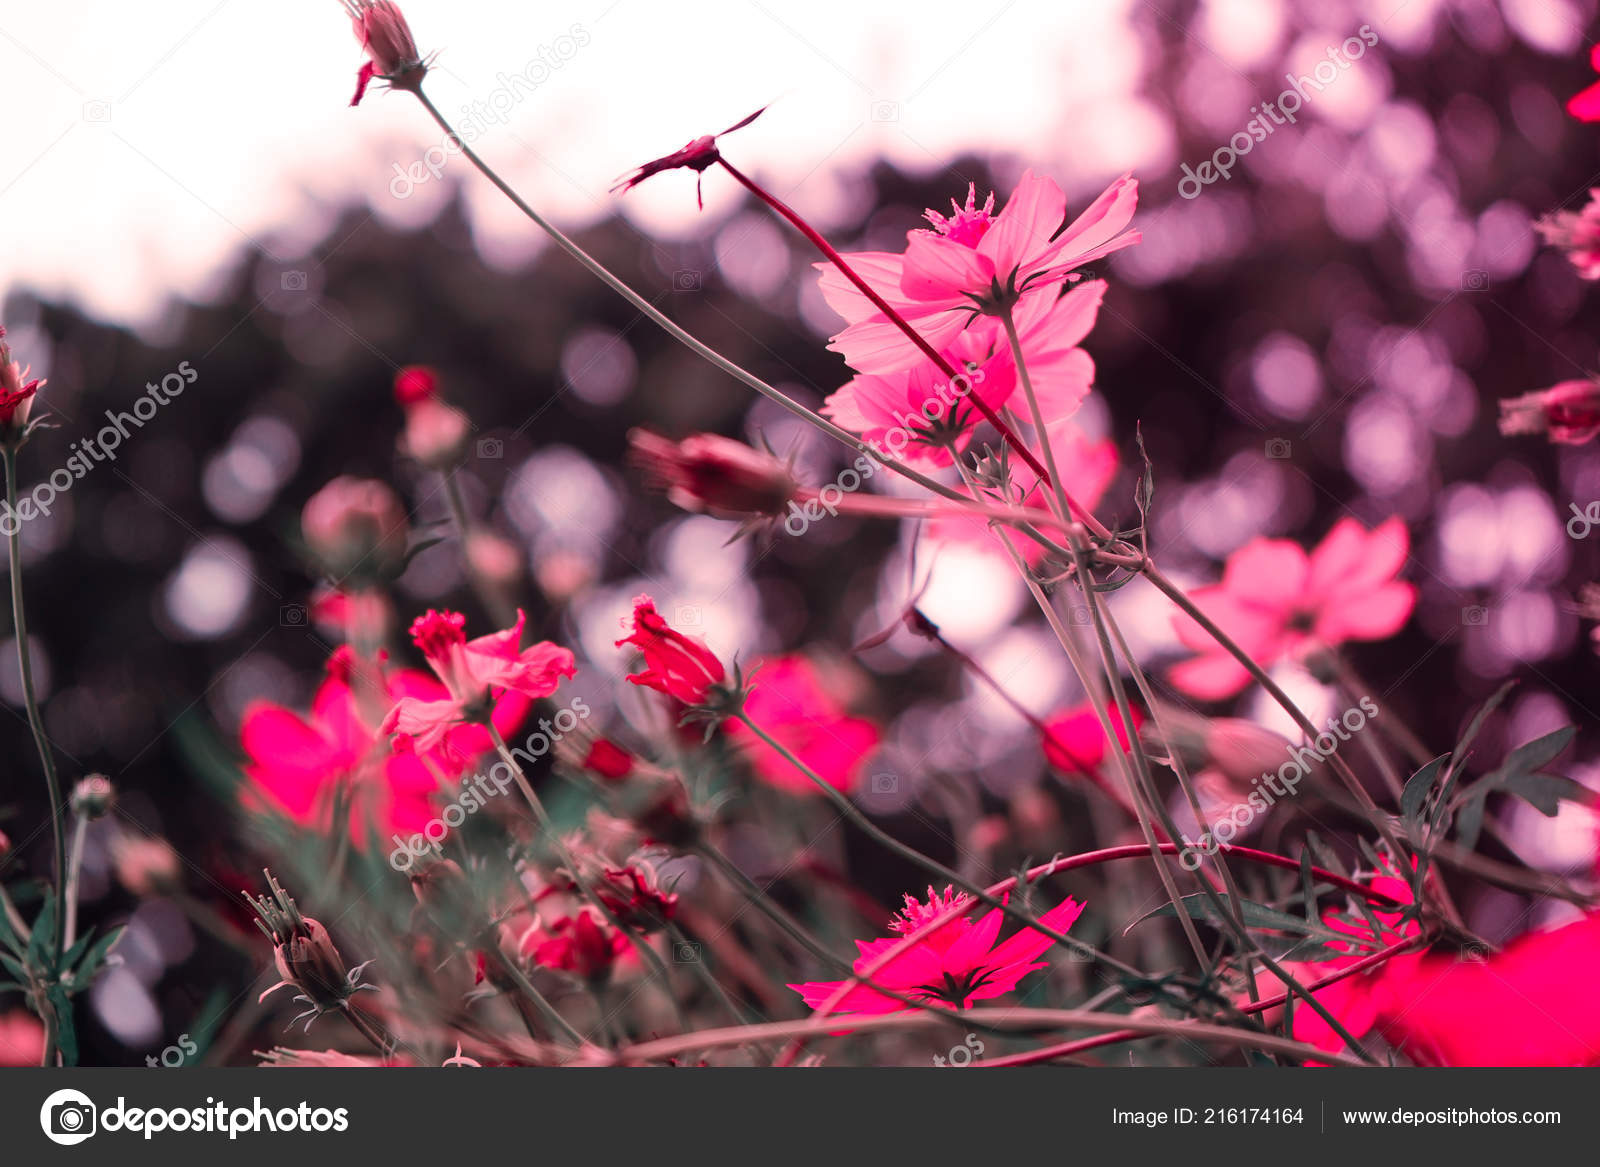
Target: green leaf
{"points": [[1415, 796], [1469, 819], [14, 967], [1540, 752], [44, 936], [8, 935], [1544, 791], [83, 975]]}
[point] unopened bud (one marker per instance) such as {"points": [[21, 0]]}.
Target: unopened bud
{"points": [[92, 797]]}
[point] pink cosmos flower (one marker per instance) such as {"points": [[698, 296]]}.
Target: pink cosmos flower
{"points": [[1075, 743], [971, 261], [298, 764], [1578, 234], [392, 53], [1277, 602], [957, 964], [791, 700], [675, 664], [1586, 105], [1567, 413], [473, 672], [714, 475], [1532, 1004]]}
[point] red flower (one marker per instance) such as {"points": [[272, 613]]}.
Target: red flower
{"points": [[608, 760], [1276, 601], [16, 391], [958, 963], [713, 475], [415, 383], [679, 666], [473, 671], [584, 944], [1075, 743], [21, 1039], [297, 764], [384, 34], [1586, 105], [790, 700]]}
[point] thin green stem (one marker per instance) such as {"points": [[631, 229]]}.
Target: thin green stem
{"points": [[80, 832]]}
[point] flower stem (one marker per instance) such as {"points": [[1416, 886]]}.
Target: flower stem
{"points": [[80, 832], [41, 742], [492, 601], [655, 316]]}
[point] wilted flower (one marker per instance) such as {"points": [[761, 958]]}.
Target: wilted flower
{"points": [[713, 475], [305, 955], [384, 34], [957, 963], [1276, 601], [678, 665], [356, 527], [16, 393], [1568, 413], [697, 155], [474, 671]]}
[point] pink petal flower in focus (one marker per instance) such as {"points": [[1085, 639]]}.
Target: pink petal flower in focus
{"points": [[792, 700], [675, 664], [473, 672], [969, 264], [956, 964], [1275, 601]]}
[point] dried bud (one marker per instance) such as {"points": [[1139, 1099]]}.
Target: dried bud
{"points": [[436, 434], [92, 797], [304, 954], [714, 475], [356, 528]]}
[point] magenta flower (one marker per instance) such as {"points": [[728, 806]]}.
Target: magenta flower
{"points": [[16, 391], [675, 664], [957, 964], [392, 53], [1075, 743], [698, 155], [1585, 106], [791, 700], [299, 764], [971, 263], [1567, 413], [1278, 602], [473, 673], [713, 475]]}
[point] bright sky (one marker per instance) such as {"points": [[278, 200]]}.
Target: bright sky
{"points": [[159, 139]]}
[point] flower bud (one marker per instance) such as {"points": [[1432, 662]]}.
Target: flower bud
{"points": [[357, 528], [16, 394], [1567, 413], [145, 865], [714, 475], [415, 383], [304, 954], [436, 434], [92, 797], [385, 35]]}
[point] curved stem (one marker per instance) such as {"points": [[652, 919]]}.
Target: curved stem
{"points": [[656, 317]]}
